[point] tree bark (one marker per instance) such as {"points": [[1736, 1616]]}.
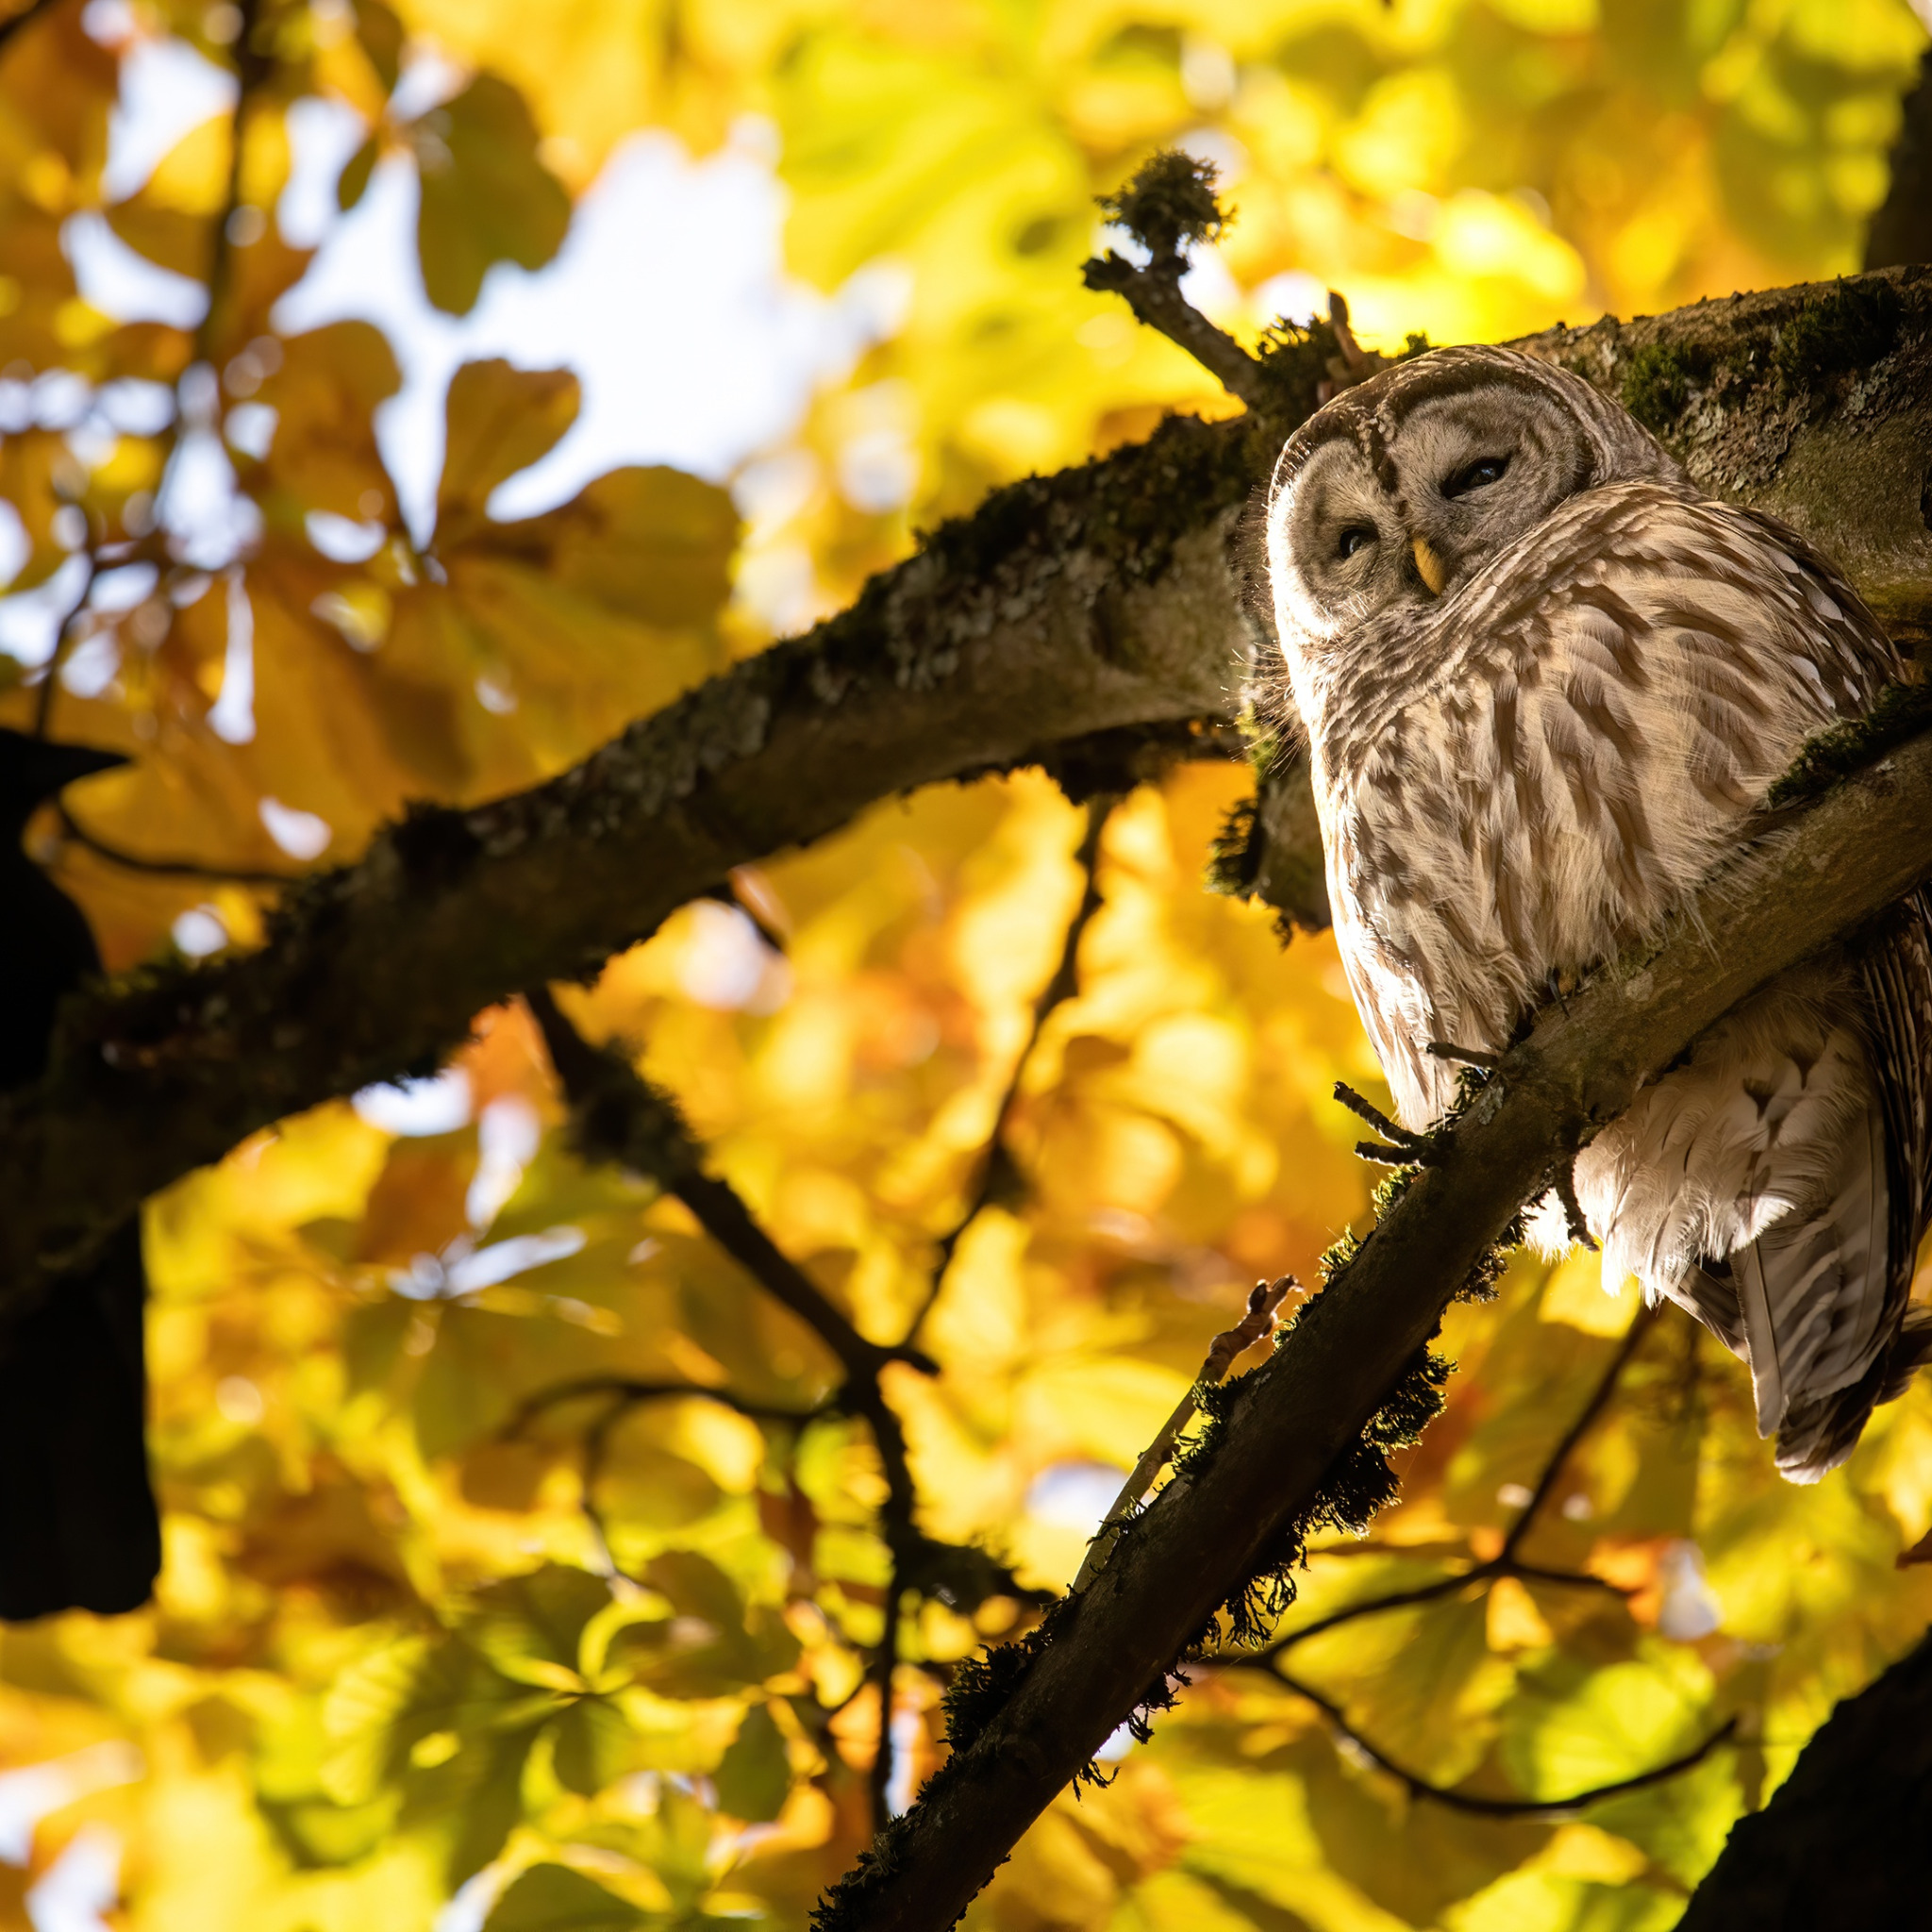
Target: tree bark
{"points": [[1085, 621], [1845, 1844]]}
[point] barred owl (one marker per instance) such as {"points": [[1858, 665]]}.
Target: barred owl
{"points": [[1545, 682]]}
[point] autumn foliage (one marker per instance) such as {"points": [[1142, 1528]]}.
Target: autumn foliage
{"points": [[518, 1539]]}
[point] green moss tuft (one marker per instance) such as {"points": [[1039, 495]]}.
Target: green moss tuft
{"points": [[1850, 327], [1234, 857], [1658, 382], [1900, 712], [1169, 203]]}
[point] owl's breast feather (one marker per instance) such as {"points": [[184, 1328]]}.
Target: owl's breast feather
{"points": [[1581, 751]]}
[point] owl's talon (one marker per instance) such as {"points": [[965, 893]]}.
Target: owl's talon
{"points": [[1367, 1110], [1383, 1157], [1565, 1185], [1464, 1055]]}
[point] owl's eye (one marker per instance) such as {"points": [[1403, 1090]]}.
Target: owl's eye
{"points": [[1476, 476], [1357, 537]]}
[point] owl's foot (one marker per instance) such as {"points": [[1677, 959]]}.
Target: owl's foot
{"points": [[1463, 1056], [1405, 1147], [1563, 1183]]}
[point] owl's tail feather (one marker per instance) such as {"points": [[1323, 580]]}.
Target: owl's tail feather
{"points": [[1760, 1337], [1821, 1433]]}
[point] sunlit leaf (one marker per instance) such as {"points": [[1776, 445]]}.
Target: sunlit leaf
{"points": [[554, 1898], [486, 196]]}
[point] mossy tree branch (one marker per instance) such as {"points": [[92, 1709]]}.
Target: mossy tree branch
{"points": [[1229, 1516], [1088, 621]]}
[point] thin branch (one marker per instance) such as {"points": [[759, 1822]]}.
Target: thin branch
{"points": [[885, 1664], [1419, 1786], [181, 868], [1154, 293], [618, 1117], [1586, 1418], [1256, 1324], [997, 1173], [622, 1119], [629, 1391]]}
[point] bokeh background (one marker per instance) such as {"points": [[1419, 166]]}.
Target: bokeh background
{"points": [[392, 405]]}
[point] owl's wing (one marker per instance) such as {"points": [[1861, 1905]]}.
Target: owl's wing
{"points": [[1896, 963], [1861, 658]]}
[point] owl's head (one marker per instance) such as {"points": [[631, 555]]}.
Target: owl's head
{"points": [[1393, 499]]}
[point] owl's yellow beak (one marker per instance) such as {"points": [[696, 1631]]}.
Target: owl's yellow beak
{"points": [[1430, 565]]}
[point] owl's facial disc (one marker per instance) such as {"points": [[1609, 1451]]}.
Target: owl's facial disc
{"points": [[1362, 531], [1474, 472]]}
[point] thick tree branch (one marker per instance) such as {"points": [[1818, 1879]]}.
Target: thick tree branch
{"points": [[1075, 619], [1216, 1526], [1846, 1841]]}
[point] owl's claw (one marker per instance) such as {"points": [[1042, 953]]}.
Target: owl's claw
{"points": [[1407, 1147], [1565, 1185], [1463, 1056]]}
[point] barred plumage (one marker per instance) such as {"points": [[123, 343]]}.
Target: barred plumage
{"points": [[1545, 682]]}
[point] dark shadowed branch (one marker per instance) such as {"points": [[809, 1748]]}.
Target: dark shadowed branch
{"points": [[1845, 1844], [618, 1117]]}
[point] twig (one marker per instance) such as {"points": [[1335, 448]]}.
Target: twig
{"points": [[1170, 204], [184, 867], [885, 1665], [1421, 1150], [1419, 1786], [1585, 1421], [1255, 1323], [997, 1170], [618, 1117], [1564, 1181], [1465, 1055], [631, 1391], [1154, 293]]}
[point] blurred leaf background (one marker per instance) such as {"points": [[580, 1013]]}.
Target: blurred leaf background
{"points": [[432, 1626]]}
